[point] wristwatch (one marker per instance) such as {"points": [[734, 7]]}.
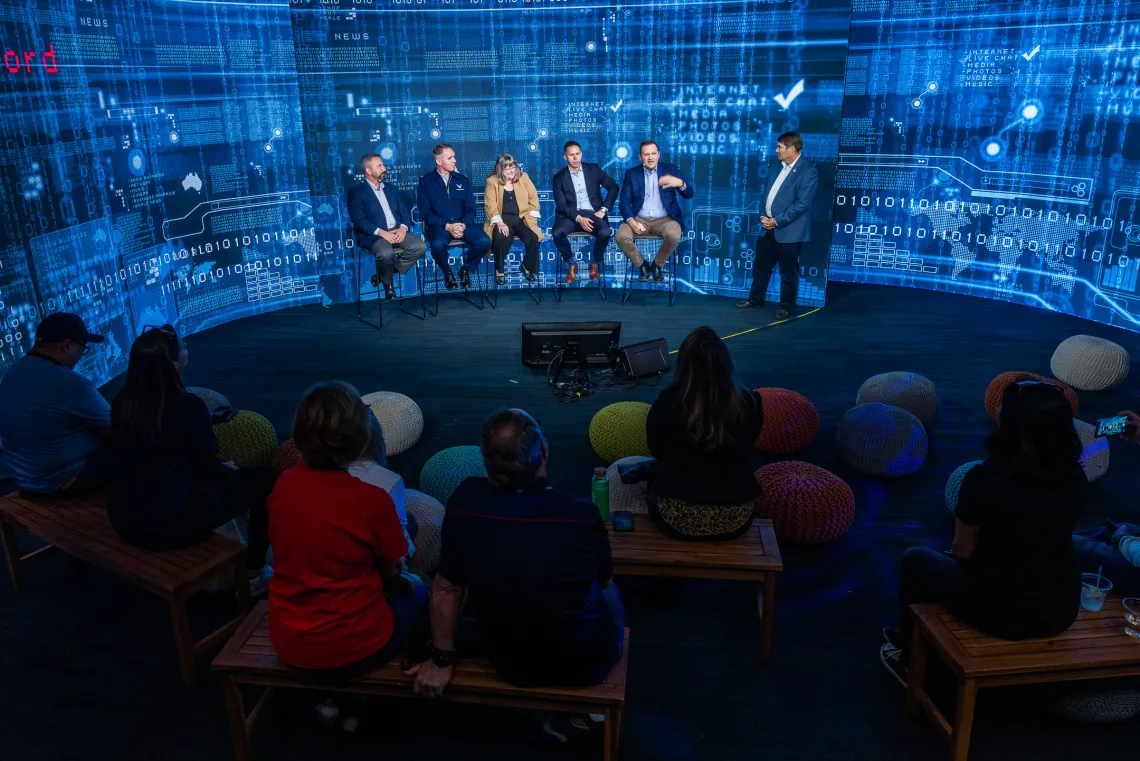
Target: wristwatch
{"points": [[443, 658]]}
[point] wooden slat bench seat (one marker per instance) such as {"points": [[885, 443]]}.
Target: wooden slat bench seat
{"points": [[754, 557], [1094, 647], [80, 527], [249, 658]]}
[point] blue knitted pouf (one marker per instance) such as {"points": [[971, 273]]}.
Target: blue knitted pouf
{"points": [[881, 440], [448, 468], [954, 483]]}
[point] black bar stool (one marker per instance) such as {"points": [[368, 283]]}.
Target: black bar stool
{"points": [[400, 295], [480, 273], [670, 277], [559, 281]]}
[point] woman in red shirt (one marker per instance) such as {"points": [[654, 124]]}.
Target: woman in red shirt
{"points": [[336, 600]]}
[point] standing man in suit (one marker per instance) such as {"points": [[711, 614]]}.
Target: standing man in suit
{"points": [[649, 206], [787, 224], [382, 223], [447, 207], [579, 208]]}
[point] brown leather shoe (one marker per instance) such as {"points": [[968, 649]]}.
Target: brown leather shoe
{"points": [[572, 273], [593, 272]]}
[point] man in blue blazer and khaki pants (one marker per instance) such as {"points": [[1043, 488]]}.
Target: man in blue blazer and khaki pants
{"points": [[787, 224], [382, 223], [649, 206]]}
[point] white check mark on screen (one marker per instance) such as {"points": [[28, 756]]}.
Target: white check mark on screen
{"points": [[1029, 56], [786, 100]]}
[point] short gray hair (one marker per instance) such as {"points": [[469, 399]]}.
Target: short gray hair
{"points": [[512, 448], [368, 157]]}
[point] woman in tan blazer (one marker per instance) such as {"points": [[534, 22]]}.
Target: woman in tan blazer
{"points": [[512, 210]]}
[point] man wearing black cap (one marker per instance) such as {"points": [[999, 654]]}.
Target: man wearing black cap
{"points": [[51, 417]]}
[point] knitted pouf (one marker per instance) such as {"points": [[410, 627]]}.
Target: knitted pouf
{"points": [[1094, 454], [908, 391], [996, 390], [428, 514], [247, 439], [618, 430], [1089, 363], [400, 418], [212, 398], [807, 504], [446, 469], [631, 497], [286, 456], [790, 421], [954, 483], [881, 440], [1090, 705]]}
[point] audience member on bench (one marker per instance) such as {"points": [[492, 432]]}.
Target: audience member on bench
{"points": [[535, 565], [338, 602], [52, 419], [167, 487], [701, 430], [1114, 550], [371, 468], [1012, 571]]}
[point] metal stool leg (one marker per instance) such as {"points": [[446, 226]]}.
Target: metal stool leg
{"points": [[360, 297]]}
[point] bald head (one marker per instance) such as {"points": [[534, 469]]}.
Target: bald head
{"points": [[514, 449]]}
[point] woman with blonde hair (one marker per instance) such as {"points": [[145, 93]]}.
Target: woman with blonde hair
{"points": [[511, 203]]}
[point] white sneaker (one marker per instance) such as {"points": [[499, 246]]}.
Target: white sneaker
{"points": [[327, 712], [351, 724], [891, 658]]}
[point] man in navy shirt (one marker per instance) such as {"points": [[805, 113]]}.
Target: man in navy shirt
{"points": [[447, 207], [536, 566], [51, 417]]}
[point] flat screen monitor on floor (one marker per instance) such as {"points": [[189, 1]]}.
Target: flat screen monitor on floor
{"points": [[595, 343]]}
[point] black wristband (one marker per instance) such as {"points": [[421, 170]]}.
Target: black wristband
{"points": [[443, 658]]}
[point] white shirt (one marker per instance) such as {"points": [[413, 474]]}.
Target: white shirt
{"points": [[371, 473], [579, 180], [446, 177], [389, 218], [776, 185]]}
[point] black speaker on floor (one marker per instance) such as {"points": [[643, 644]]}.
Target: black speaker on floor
{"points": [[646, 358]]}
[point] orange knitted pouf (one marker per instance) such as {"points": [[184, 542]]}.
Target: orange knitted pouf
{"points": [[790, 421], [286, 456], [999, 384], [807, 504]]}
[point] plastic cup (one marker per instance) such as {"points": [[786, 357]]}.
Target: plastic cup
{"points": [[1093, 591], [1131, 607]]}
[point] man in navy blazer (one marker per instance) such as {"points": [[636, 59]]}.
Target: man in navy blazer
{"points": [[579, 208], [447, 207], [382, 223], [787, 224], [649, 206]]}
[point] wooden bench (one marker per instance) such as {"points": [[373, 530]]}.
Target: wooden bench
{"points": [[80, 527], [754, 557], [249, 658], [1094, 647]]}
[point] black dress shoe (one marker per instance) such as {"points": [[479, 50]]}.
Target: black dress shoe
{"points": [[449, 282], [747, 304], [373, 280], [389, 291], [658, 274], [500, 278], [782, 314], [464, 277], [526, 273], [644, 272]]}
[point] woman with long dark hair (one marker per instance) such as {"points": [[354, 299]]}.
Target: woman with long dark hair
{"points": [[701, 430], [1012, 571], [169, 488]]}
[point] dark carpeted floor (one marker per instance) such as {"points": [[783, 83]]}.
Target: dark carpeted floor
{"points": [[87, 663]]}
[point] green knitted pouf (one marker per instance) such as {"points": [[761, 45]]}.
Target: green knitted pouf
{"points": [[618, 430], [247, 439], [1088, 363], [631, 497], [443, 473], [954, 483], [881, 440], [212, 398], [400, 418], [909, 391], [428, 514], [1094, 450]]}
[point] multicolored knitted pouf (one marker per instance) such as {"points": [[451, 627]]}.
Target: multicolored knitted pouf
{"points": [[428, 513], [247, 439], [1094, 450], [286, 456], [791, 422], [954, 483], [1089, 363], [996, 389], [618, 430], [807, 504], [400, 418], [909, 391], [631, 497], [212, 398], [448, 468], [881, 440]]}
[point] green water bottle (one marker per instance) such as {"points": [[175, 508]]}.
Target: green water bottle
{"points": [[600, 490]]}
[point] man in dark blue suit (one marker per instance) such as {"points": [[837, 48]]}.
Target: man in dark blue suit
{"points": [[579, 208], [787, 224], [649, 206], [382, 223], [447, 207]]}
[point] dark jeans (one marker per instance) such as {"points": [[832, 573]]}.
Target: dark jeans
{"points": [[91, 480], [501, 244], [438, 240], [1095, 551], [563, 227], [926, 576], [768, 254]]}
